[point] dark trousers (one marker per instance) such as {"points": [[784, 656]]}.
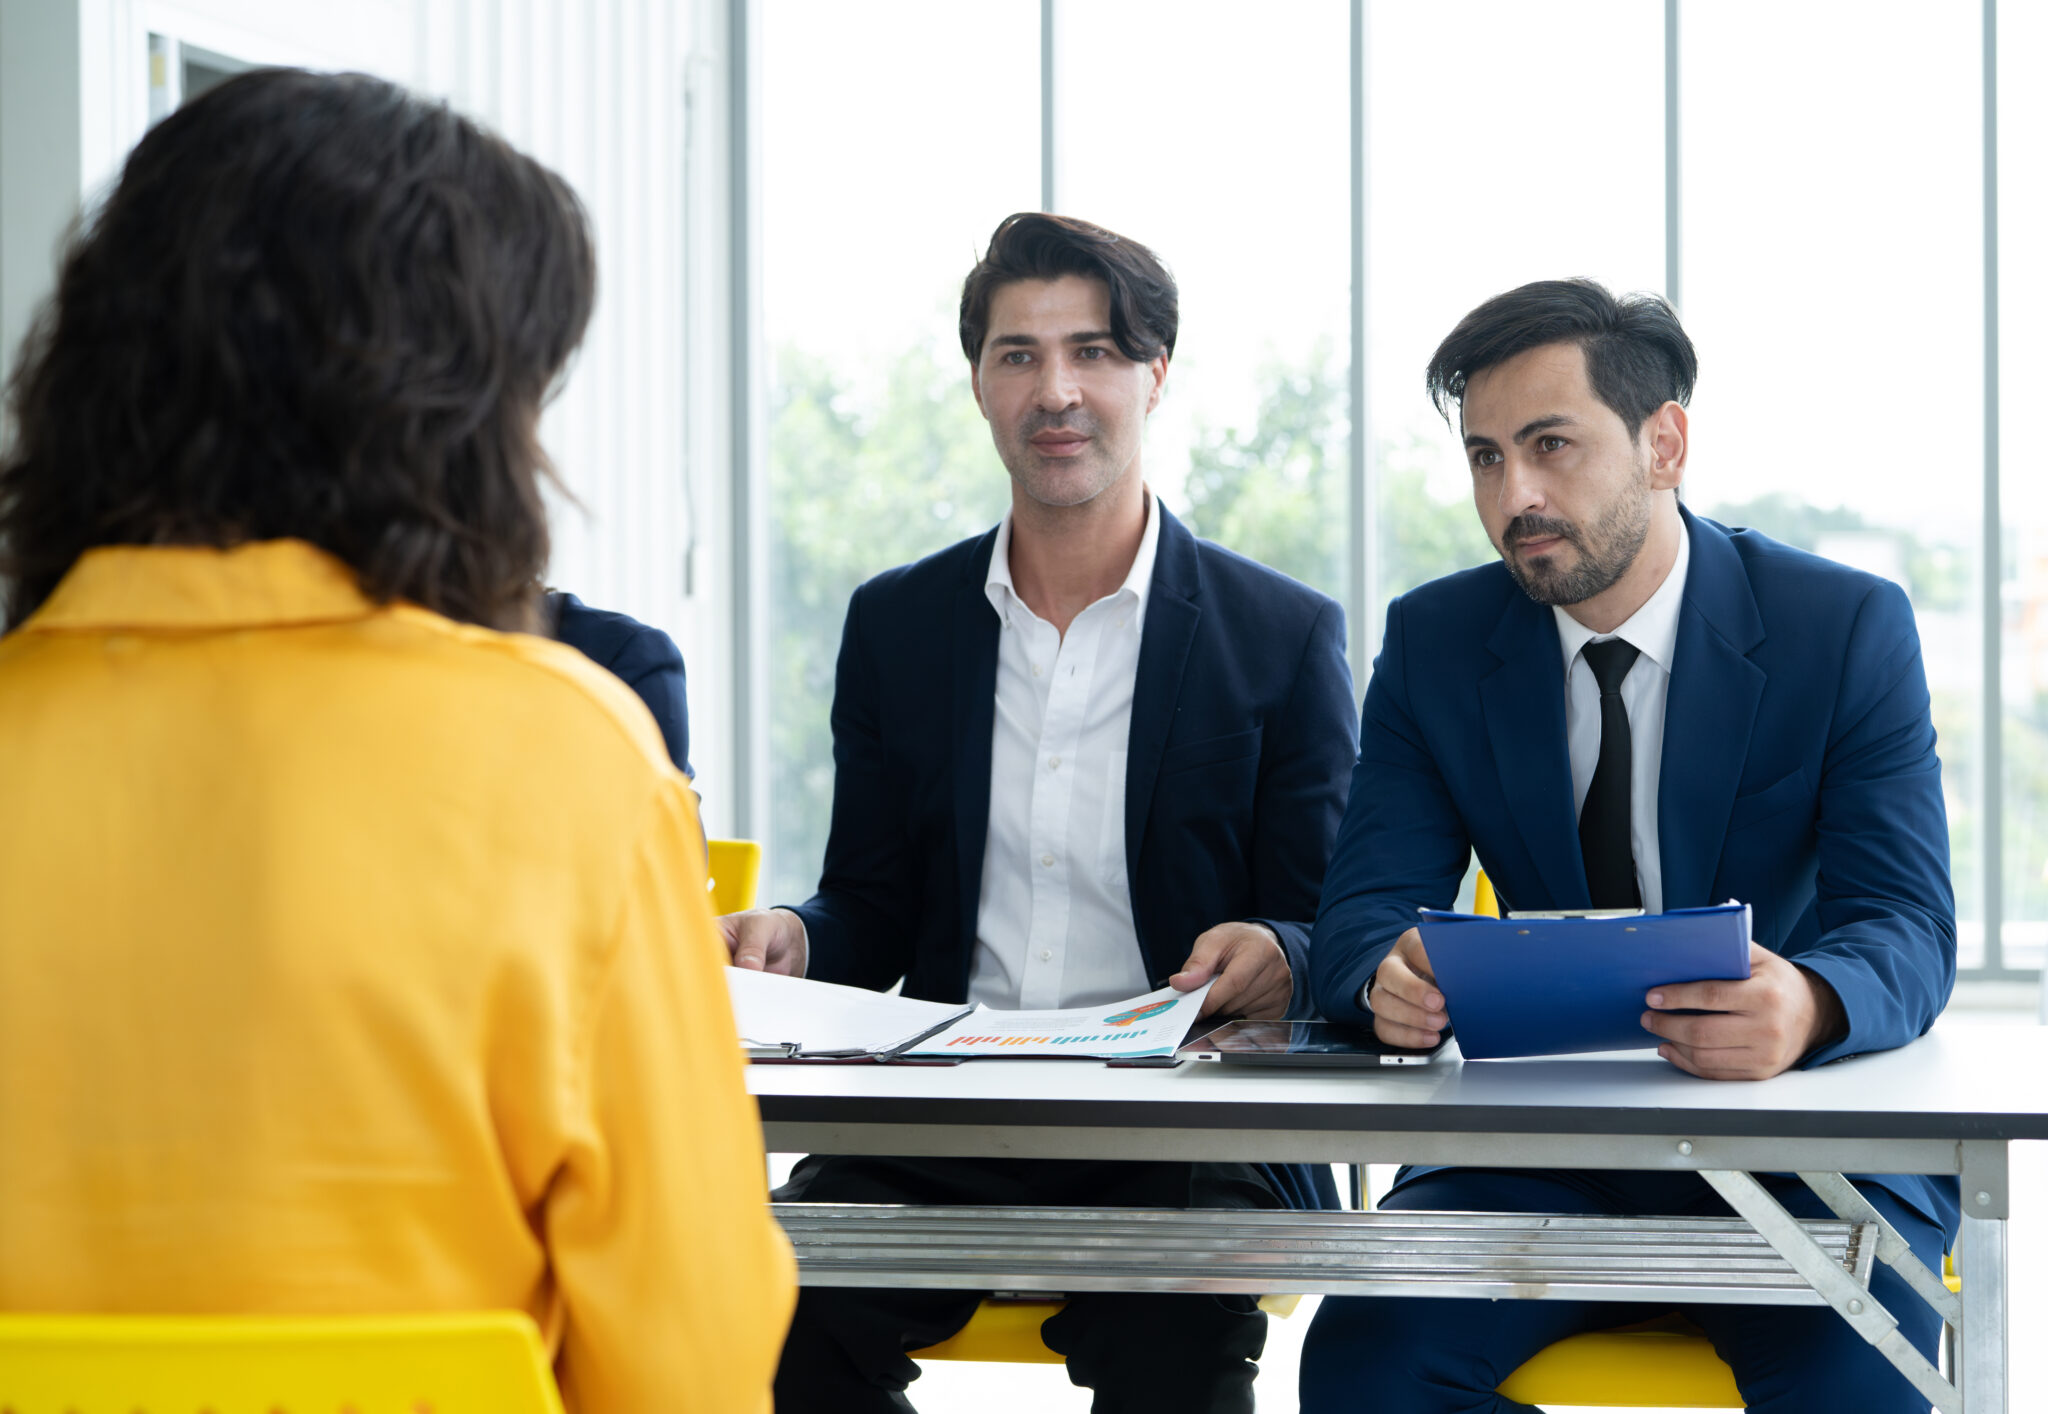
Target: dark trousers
{"points": [[1423, 1356], [847, 1350]]}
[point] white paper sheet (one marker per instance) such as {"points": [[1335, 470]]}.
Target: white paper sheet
{"points": [[824, 1018], [1152, 1025]]}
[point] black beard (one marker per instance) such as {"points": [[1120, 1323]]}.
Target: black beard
{"points": [[1604, 556]]}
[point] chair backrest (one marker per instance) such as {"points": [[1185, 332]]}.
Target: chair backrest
{"points": [[735, 874], [1484, 900], [487, 1362]]}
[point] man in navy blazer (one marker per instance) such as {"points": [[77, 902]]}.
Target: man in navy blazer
{"points": [[1080, 757], [1771, 715]]}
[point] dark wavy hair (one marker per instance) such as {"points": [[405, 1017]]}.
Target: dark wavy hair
{"points": [[316, 306], [1638, 356], [1144, 302]]}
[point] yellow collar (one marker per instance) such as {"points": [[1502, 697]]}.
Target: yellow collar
{"points": [[192, 587]]}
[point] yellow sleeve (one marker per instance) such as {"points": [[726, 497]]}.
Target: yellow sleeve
{"points": [[676, 1285]]}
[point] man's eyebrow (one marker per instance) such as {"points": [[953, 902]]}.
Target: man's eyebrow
{"points": [[1002, 341], [1091, 336], [1544, 424], [1541, 424]]}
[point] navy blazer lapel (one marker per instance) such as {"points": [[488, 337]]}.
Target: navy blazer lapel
{"points": [[1171, 616], [1523, 703], [1709, 710], [976, 632]]}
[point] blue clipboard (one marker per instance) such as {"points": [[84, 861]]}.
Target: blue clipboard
{"points": [[1554, 986]]}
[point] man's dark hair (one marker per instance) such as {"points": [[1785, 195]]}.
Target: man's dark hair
{"points": [[1144, 303], [316, 306], [1637, 356]]}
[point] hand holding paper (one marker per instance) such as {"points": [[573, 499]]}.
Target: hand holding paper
{"points": [[765, 940], [1249, 969]]}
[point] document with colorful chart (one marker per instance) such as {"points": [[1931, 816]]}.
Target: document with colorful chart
{"points": [[1152, 1025]]}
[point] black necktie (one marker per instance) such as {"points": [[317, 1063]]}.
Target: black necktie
{"points": [[1604, 819]]}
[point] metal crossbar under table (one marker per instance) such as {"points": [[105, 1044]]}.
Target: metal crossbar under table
{"points": [[1485, 1255]]}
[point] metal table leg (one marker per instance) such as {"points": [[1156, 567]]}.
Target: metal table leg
{"points": [[1865, 1315], [1981, 1370]]}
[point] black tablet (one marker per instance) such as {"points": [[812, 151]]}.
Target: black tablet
{"points": [[1301, 1043]]}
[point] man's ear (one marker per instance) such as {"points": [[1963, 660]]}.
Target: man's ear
{"points": [[1669, 438], [974, 379], [1157, 368]]}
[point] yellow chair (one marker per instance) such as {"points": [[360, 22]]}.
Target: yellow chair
{"points": [[1002, 1331], [1661, 1364], [1007, 1332], [735, 867], [483, 1363]]}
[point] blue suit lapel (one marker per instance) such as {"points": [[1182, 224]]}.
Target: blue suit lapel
{"points": [[1708, 715], [976, 631], [1171, 616], [1523, 703]]}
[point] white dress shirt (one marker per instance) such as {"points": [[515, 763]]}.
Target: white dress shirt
{"points": [[1653, 629], [1054, 927]]}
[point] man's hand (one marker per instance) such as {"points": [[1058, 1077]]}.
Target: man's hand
{"points": [[1250, 967], [766, 940], [1763, 1024], [1407, 1008]]}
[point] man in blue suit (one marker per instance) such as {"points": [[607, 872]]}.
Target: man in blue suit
{"points": [[1078, 757], [1637, 707]]}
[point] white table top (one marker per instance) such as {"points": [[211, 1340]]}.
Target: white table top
{"points": [[1964, 1082]]}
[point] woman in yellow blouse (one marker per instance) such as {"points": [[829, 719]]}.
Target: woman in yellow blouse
{"points": [[354, 951]]}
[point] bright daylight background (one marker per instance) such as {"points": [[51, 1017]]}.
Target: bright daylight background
{"points": [[1832, 277], [1831, 189]]}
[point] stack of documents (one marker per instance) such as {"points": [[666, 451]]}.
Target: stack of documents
{"points": [[797, 1018], [792, 1016]]}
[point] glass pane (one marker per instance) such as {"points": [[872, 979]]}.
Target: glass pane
{"points": [[876, 454], [2023, 368], [1504, 148], [1833, 282], [1237, 174]]}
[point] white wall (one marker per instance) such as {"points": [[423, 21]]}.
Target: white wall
{"points": [[601, 90]]}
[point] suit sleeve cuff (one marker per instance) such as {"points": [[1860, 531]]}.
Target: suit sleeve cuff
{"points": [[1293, 940], [798, 915]]}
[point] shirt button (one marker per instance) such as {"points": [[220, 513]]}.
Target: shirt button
{"points": [[1034, 670], [1054, 763], [1047, 860], [1045, 955]]}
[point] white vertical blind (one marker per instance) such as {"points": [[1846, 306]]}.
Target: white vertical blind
{"points": [[594, 88], [597, 90]]}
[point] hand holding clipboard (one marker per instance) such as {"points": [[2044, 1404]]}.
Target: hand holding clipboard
{"points": [[1562, 983], [1723, 1007]]}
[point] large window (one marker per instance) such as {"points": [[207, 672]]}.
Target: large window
{"points": [[1833, 283], [2022, 128], [1235, 172], [1502, 147], [1810, 192], [888, 154]]}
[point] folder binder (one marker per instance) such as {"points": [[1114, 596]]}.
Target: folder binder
{"points": [[1548, 986]]}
